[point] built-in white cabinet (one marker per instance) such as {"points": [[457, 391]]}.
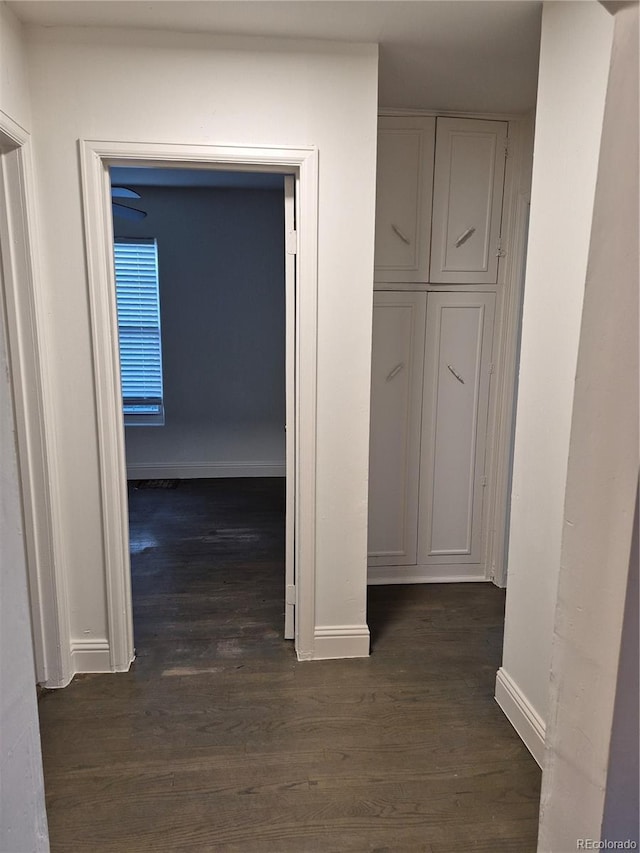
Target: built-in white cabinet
{"points": [[429, 404], [403, 198], [396, 412], [467, 201], [439, 217]]}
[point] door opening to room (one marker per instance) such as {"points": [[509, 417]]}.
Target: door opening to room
{"points": [[205, 303]]}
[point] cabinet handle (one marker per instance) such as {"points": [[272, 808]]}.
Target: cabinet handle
{"points": [[464, 237], [457, 375], [402, 236], [395, 371]]}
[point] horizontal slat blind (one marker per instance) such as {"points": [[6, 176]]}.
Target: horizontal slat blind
{"points": [[138, 302]]}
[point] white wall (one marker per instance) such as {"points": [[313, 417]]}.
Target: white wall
{"points": [[591, 745], [149, 86], [23, 822], [14, 77], [574, 65], [221, 273]]}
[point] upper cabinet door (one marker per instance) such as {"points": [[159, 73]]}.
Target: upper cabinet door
{"points": [[404, 195], [467, 200]]}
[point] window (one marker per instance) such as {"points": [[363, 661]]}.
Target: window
{"points": [[138, 303]]}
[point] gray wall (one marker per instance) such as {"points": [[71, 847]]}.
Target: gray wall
{"points": [[23, 825], [221, 268]]}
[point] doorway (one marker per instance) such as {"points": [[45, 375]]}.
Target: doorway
{"points": [[97, 158], [202, 284]]}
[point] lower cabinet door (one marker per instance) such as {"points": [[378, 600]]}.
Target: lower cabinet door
{"points": [[455, 402], [396, 392]]}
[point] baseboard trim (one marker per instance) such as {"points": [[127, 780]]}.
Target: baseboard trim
{"points": [[453, 573], [195, 470], [520, 713], [94, 656], [90, 656], [332, 642]]}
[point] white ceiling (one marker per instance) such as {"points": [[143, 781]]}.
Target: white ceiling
{"points": [[478, 55]]}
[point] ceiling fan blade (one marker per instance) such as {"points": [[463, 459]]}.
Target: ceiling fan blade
{"points": [[124, 192], [127, 212]]}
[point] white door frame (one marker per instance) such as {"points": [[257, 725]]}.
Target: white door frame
{"points": [[95, 158], [290, 261], [26, 325]]}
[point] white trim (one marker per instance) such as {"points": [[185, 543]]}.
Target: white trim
{"points": [[95, 158], [432, 287], [26, 321], [291, 356], [507, 338], [391, 111], [340, 641], [193, 470], [521, 714], [115, 532], [452, 573], [91, 656]]}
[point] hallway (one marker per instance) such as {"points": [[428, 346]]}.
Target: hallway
{"points": [[219, 740]]}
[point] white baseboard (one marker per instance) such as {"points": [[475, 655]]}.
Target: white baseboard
{"points": [[90, 656], [443, 573], [194, 470], [341, 641], [520, 713], [94, 656]]}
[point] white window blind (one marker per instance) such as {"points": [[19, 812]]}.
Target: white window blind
{"points": [[138, 303]]}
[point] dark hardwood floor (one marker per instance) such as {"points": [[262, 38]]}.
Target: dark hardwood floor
{"points": [[219, 740]]}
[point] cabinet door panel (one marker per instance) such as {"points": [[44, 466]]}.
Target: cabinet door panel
{"points": [[396, 390], [403, 198], [454, 422], [467, 200]]}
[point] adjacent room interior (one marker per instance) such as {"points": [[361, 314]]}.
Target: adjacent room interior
{"points": [[200, 290]]}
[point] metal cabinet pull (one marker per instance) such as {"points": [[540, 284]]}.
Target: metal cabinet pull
{"points": [[457, 375], [395, 371], [402, 236], [464, 237]]}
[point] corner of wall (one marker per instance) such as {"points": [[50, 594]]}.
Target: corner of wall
{"points": [[521, 714], [574, 66]]}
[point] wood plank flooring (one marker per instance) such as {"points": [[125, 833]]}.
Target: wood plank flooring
{"points": [[219, 740]]}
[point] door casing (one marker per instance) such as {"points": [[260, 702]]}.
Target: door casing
{"points": [[96, 157], [29, 365]]}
